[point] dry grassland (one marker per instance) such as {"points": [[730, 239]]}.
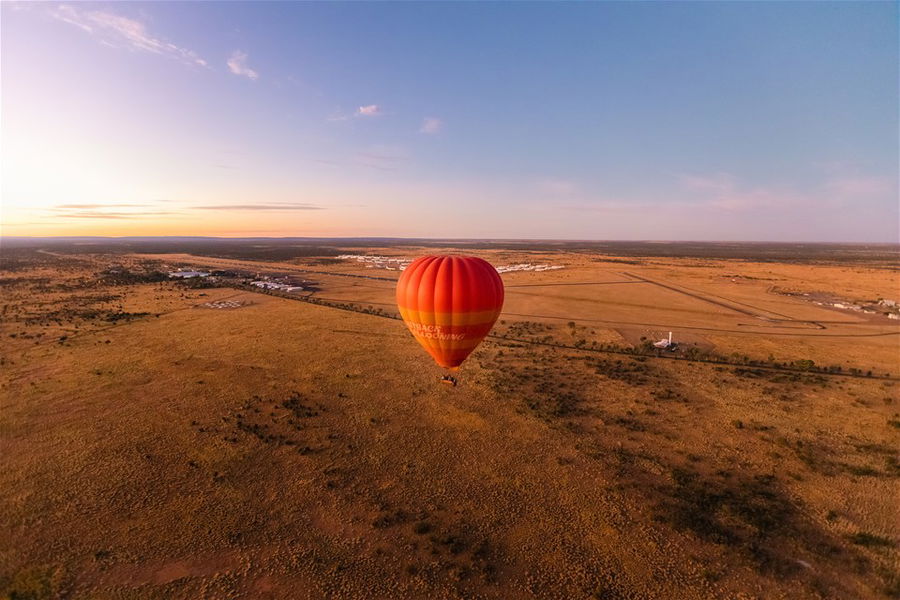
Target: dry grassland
{"points": [[156, 448]]}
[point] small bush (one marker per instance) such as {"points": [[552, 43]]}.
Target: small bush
{"points": [[870, 540]]}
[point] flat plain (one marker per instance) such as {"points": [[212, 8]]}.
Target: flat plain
{"points": [[167, 438]]}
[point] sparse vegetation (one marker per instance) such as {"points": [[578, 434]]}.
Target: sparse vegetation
{"points": [[288, 439]]}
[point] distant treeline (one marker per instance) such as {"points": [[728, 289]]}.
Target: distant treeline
{"points": [[240, 249], [287, 248]]}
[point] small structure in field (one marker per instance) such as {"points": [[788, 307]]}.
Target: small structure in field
{"points": [[666, 344], [224, 304], [187, 274]]}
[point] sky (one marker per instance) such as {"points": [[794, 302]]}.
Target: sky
{"points": [[764, 121]]}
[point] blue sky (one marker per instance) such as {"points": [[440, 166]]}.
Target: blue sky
{"points": [[701, 121]]}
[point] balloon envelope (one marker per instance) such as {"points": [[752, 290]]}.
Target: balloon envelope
{"points": [[449, 303]]}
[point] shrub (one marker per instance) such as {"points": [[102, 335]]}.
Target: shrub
{"points": [[870, 540]]}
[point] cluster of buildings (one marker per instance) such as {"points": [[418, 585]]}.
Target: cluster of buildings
{"points": [[274, 285], [281, 284], [526, 267], [882, 306], [187, 274], [886, 307], [398, 264], [893, 308], [379, 262]]}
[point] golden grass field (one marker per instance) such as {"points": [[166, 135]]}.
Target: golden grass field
{"points": [[157, 448]]}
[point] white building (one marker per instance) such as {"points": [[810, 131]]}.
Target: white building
{"points": [[664, 343], [272, 285], [187, 274], [526, 267], [378, 262]]}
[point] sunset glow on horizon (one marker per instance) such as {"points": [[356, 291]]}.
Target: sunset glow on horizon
{"points": [[674, 121]]}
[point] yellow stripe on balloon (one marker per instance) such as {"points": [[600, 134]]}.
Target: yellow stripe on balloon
{"points": [[447, 318]]}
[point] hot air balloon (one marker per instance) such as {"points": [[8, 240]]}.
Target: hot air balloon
{"points": [[449, 303]]}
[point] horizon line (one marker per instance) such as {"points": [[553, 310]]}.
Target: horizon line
{"points": [[437, 239]]}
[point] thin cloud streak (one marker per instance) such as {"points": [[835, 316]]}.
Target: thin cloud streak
{"points": [[113, 29], [297, 206], [718, 182], [237, 64], [381, 158], [431, 126], [92, 214], [383, 161], [861, 186], [723, 193], [123, 205], [558, 187], [371, 110]]}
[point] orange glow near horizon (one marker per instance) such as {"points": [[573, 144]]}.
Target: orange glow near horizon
{"points": [[190, 223]]}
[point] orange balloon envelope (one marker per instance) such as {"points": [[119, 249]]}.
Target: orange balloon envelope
{"points": [[449, 303]]}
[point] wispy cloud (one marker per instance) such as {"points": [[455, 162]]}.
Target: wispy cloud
{"points": [[283, 206], [431, 125], [237, 64], [558, 187], [861, 186], [100, 214], [726, 206], [363, 159], [382, 157], [699, 195], [370, 110], [386, 156], [109, 210], [327, 161], [116, 30], [724, 192], [717, 182], [117, 205], [614, 206]]}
